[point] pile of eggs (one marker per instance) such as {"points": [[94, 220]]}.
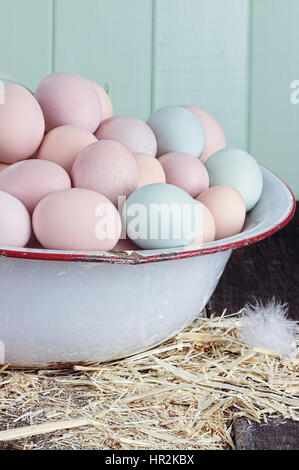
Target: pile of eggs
{"points": [[72, 175]]}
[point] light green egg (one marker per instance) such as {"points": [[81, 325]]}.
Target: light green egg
{"points": [[236, 168], [177, 130], [161, 216]]}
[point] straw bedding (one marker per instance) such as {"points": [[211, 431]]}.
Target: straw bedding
{"points": [[184, 394]]}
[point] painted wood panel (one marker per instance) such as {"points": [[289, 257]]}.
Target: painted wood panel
{"points": [[274, 120], [109, 42], [153, 53], [26, 39], [201, 59]]}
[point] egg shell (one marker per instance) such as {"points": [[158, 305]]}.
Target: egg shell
{"points": [[76, 219], [3, 166], [208, 227], [15, 223], [22, 124], [68, 99], [107, 107], [108, 168], [177, 130], [131, 132], [161, 216], [31, 180], [150, 170], [236, 168], [215, 137], [227, 208], [63, 144], [186, 172]]}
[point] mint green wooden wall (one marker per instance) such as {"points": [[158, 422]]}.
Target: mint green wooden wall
{"points": [[234, 58]]}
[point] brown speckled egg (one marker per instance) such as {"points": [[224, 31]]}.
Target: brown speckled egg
{"points": [[227, 208], [31, 180], [108, 168], [22, 124], [63, 144], [131, 132], [15, 223], [150, 170], [68, 99], [76, 219]]}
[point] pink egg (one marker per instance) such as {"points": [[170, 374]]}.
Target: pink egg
{"points": [[125, 244], [3, 166], [215, 138], [107, 108], [63, 144], [76, 219], [186, 172], [108, 168], [31, 180], [131, 132], [208, 228], [68, 99], [15, 223], [227, 208], [150, 170], [22, 124]]}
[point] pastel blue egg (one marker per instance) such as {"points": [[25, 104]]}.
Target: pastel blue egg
{"points": [[161, 216], [236, 168], [177, 130]]}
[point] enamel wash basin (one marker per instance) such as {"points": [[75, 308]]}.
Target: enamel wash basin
{"points": [[62, 307]]}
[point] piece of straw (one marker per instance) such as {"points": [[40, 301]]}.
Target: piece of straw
{"points": [[184, 394]]}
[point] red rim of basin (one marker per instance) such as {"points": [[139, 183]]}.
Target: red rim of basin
{"points": [[137, 257]]}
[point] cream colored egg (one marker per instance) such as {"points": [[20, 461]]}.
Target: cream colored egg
{"points": [[15, 224], [76, 219], [150, 170], [227, 207], [208, 228], [107, 107], [63, 144]]}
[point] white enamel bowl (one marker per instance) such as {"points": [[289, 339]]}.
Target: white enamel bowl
{"points": [[60, 307]]}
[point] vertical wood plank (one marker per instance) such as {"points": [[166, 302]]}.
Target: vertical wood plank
{"points": [[108, 41], [201, 59], [274, 120], [26, 40]]}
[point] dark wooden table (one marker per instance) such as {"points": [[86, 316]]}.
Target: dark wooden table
{"points": [[266, 269]]}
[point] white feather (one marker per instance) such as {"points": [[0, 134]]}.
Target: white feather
{"points": [[267, 327]]}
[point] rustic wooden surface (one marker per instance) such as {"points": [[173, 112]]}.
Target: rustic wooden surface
{"points": [[275, 435], [268, 268], [260, 271]]}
